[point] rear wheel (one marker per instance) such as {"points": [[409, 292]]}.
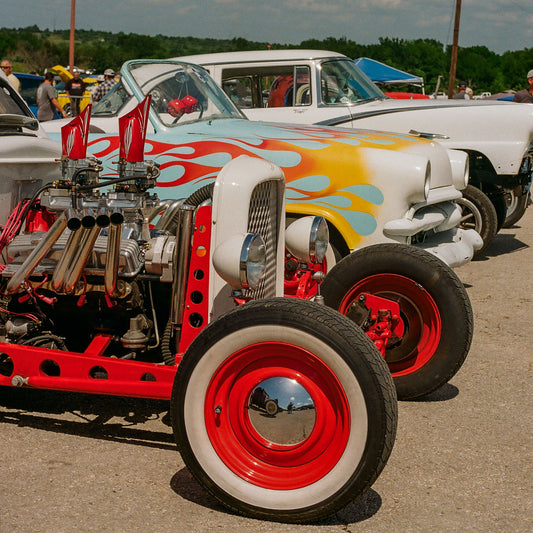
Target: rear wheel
{"points": [[323, 371], [434, 307], [516, 202], [480, 214]]}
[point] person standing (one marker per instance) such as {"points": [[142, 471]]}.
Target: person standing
{"points": [[104, 87], [8, 71], [461, 94], [525, 96], [75, 87], [46, 100]]}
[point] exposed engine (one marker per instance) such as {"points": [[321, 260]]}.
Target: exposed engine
{"points": [[91, 262]]}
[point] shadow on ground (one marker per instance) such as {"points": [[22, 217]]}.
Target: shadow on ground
{"points": [[185, 486], [98, 417], [503, 243]]}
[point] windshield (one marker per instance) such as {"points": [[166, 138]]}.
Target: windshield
{"points": [[181, 92], [342, 83], [9, 104], [112, 102]]}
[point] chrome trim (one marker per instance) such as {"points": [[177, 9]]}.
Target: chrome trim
{"points": [[37, 254]]}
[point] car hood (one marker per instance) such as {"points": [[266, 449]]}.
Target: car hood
{"points": [[503, 131], [283, 144]]}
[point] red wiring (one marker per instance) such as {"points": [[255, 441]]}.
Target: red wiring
{"points": [[12, 227]]}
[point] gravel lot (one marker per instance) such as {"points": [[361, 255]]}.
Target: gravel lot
{"points": [[462, 460]]}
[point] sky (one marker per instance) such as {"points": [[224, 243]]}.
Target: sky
{"points": [[498, 25]]}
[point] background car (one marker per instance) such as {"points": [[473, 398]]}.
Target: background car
{"points": [[498, 137], [28, 157], [29, 83]]}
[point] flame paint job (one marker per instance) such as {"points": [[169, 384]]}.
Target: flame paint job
{"points": [[318, 166]]}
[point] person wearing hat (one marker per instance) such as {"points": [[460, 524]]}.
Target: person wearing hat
{"points": [[525, 96], [104, 87], [462, 94]]}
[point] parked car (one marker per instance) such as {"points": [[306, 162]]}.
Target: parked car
{"points": [[327, 88], [140, 311], [377, 191], [28, 157], [29, 83]]}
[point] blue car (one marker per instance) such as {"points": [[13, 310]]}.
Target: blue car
{"points": [[29, 83]]}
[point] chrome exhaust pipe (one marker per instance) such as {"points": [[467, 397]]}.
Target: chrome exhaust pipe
{"points": [[89, 233], [58, 279], [37, 254], [113, 254], [181, 257]]}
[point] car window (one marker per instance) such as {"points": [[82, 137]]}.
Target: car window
{"points": [[342, 83], [112, 102], [8, 104], [239, 91], [181, 92], [268, 86]]}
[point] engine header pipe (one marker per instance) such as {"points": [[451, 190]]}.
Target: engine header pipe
{"points": [[113, 254], [73, 224], [89, 233], [37, 254]]}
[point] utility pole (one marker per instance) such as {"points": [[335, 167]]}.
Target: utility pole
{"points": [[453, 66], [71, 43]]}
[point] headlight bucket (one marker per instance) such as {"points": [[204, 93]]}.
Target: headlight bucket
{"points": [[241, 260], [307, 239]]}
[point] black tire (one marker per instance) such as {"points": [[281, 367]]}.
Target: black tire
{"points": [[480, 214], [278, 478], [434, 307], [516, 206]]}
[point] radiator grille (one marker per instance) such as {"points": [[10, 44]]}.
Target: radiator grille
{"points": [[263, 218]]}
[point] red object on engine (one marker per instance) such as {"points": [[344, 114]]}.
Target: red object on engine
{"points": [[186, 105], [75, 134], [39, 218], [132, 132]]}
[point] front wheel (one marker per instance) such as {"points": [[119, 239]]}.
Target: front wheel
{"points": [[323, 371], [434, 308]]}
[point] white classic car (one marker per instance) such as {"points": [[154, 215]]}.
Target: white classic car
{"points": [[327, 88], [28, 157]]}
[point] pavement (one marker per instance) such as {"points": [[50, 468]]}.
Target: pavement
{"points": [[462, 461]]}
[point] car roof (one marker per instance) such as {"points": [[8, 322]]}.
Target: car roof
{"points": [[24, 76], [258, 56]]}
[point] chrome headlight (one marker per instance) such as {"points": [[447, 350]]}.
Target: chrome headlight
{"points": [[241, 260], [307, 239]]}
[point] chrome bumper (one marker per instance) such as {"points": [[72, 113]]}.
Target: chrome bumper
{"points": [[455, 247], [442, 237]]}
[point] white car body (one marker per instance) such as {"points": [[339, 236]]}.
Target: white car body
{"points": [[498, 136], [28, 157]]}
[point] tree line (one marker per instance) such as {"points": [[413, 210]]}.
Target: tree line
{"points": [[33, 50]]}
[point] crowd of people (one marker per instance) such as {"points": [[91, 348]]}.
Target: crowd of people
{"points": [[48, 105]]}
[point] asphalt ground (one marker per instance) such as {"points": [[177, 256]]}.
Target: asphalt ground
{"points": [[462, 461]]}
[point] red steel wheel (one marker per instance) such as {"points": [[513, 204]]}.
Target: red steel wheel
{"points": [[333, 428], [419, 313], [434, 307]]}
